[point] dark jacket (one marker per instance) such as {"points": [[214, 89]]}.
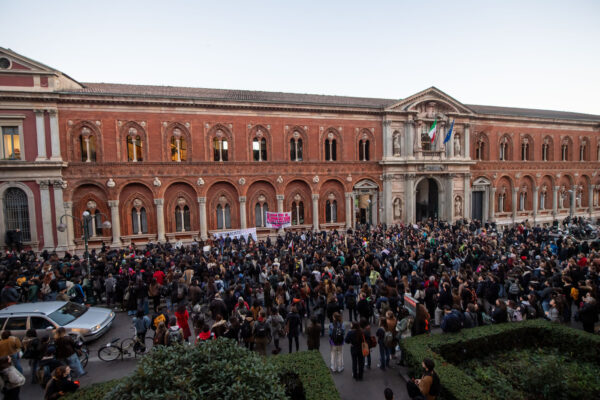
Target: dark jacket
{"points": [[65, 347], [354, 338], [313, 336], [55, 386]]}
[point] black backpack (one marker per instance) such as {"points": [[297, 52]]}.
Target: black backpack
{"points": [[434, 389], [351, 301], [337, 336], [246, 330], [261, 330]]}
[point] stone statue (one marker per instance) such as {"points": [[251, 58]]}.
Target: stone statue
{"points": [[456, 145], [396, 144], [397, 208], [458, 206]]}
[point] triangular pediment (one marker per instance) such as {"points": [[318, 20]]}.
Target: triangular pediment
{"points": [[433, 97], [366, 184], [481, 181], [15, 64]]}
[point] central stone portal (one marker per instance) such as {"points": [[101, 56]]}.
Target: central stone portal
{"points": [[426, 196]]}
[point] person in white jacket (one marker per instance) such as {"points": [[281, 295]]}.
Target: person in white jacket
{"points": [[12, 379]]}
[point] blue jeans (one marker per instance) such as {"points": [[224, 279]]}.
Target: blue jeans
{"points": [[384, 356], [75, 364], [16, 360], [34, 363]]}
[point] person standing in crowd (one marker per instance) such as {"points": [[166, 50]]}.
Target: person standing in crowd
{"points": [[11, 346], [276, 324], [336, 340], [293, 327], [183, 318], [60, 384], [66, 350], [588, 313], [261, 333], [313, 334], [355, 338], [428, 387], [12, 377], [32, 350]]}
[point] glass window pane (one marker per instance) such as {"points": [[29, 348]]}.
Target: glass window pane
{"points": [[144, 220], [16, 324], [263, 149], [299, 151], [216, 148], [333, 150], [225, 150], [83, 148], [327, 151], [367, 150], [11, 142], [292, 150], [227, 216], [93, 148], [301, 213], [294, 214], [177, 219], [98, 223], [255, 150], [134, 221], [186, 218], [182, 149], [39, 323], [138, 150], [257, 215], [327, 211], [16, 214], [173, 149], [219, 217], [129, 149], [334, 211]]}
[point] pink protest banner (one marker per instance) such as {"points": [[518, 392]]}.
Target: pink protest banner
{"points": [[279, 220]]}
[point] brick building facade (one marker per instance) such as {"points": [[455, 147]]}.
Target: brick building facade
{"points": [[167, 163]]}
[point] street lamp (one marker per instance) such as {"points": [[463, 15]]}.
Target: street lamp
{"points": [[86, 217]]}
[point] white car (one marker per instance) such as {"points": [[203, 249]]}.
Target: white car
{"points": [[79, 320]]}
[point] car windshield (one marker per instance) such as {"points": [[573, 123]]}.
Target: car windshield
{"points": [[67, 313]]}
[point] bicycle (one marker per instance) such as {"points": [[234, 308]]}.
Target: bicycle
{"points": [[129, 346]]}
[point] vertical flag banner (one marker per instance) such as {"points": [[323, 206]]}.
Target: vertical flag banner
{"points": [[433, 130], [449, 134]]}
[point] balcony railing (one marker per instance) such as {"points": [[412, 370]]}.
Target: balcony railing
{"points": [[432, 153]]}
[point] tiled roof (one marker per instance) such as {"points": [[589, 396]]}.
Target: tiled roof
{"points": [[231, 95], [531, 112], [117, 89]]}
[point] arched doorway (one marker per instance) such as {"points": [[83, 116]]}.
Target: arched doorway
{"points": [[366, 202], [426, 199]]}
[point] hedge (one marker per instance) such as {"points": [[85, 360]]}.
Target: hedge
{"points": [[308, 365], [314, 374], [449, 349]]}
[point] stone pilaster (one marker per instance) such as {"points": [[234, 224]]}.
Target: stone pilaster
{"points": [[46, 216], [54, 136], [203, 223], [59, 210], [115, 220], [160, 219], [315, 210], [40, 128], [243, 222]]}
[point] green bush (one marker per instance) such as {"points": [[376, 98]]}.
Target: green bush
{"points": [[219, 369], [314, 374], [95, 391], [450, 350]]}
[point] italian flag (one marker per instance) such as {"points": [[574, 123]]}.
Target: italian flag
{"points": [[433, 130]]}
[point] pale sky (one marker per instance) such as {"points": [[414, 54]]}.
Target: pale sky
{"points": [[534, 54]]}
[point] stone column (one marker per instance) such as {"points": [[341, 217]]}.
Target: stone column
{"points": [[160, 219], [439, 140], [388, 212], [203, 225], [280, 199], [590, 199], [492, 207], [374, 208], [573, 197], [535, 203], [55, 136], [515, 191], [68, 206], [315, 212], [349, 209], [243, 222], [59, 208], [40, 128], [450, 147], [409, 198], [450, 198], [409, 141], [387, 139], [467, 147], [46, 216], [115, 221], [467, 197], [555, 200], [417, 147]]}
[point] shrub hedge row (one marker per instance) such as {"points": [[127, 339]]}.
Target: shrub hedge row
{"points": [[449, 349], [308, 365]]}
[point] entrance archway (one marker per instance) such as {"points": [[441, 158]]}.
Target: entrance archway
{"points": [[426, 199], [366, 200]]}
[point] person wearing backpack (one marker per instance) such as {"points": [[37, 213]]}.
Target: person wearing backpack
{"points": [[336, 340], [275, 322], [428, 387], [174, 335], [261, 332], [246, 333], [32, 350], [11, 378], [384, 351], [110, 285], [293, 326], [350, 297], [355, 338], [313, 333]]}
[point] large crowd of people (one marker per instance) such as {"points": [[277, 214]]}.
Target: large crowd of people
{"points": [[348, 285]]}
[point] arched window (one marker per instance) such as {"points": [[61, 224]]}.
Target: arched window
{"points": [[525, 149], [16, 212], [87, 143], [182, 216], [479, 150], [297, 211], [97, 223], [363, 150], [296, 147], [545, 147], [223, 214], [259, 148], [260, 212], [564, 151], [331, 209], [178, 146], [134, 146], [330, 147], [220, 147], [139, 220]]}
